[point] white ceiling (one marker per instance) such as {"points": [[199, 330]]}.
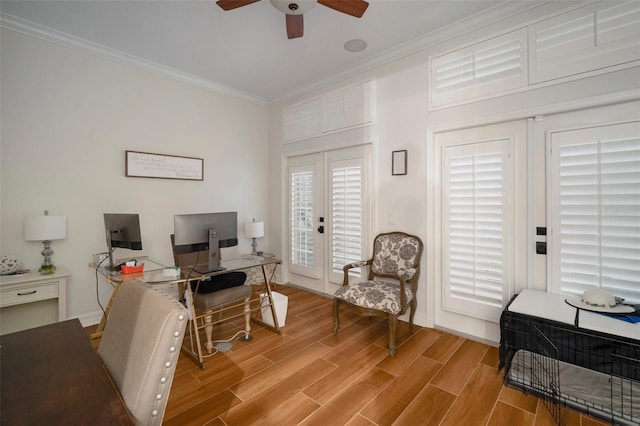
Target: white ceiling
{"points": [[245, 50]]}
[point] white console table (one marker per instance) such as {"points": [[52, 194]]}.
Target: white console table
{"points": [[32, 300]]}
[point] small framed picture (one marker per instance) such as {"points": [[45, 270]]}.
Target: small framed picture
{"points": [[399, 162]]}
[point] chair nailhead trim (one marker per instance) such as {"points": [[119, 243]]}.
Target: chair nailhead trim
{"points": [[172, 350]]}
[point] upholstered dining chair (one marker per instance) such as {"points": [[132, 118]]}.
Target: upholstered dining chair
{"points": [[213, 296], [391, 286], [140, 347]]}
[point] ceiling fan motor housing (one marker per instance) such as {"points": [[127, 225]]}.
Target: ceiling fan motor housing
{"points": [[293, 7]]}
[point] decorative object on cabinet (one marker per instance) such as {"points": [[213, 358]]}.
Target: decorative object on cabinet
{"points": [[45, 228], [9, 264], [147, 164], [254, 230], [399, 162], [391, 286]]}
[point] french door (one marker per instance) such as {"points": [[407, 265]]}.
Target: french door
{"points": [[587, 197], [480, 210], [328, 216]]}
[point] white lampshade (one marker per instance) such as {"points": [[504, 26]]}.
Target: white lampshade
{"points": [[254, 229], [45, 228]]}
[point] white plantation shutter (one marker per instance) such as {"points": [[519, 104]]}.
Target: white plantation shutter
{"points": [[302, 120], [346, 216], [595, 211], [586, 39], [302, 181], [340, 109], [486, 68], [476, 237], [350, 106]]}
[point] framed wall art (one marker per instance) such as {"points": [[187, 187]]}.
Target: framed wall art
{"points": [[147, 164], [399, 162]]}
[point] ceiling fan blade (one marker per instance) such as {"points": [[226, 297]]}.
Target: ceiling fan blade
{"points": [[354, 8], [233, 4], [295, 26]]}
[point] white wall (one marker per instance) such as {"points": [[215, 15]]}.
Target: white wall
{"points": [[67, 119], [404, 122]]}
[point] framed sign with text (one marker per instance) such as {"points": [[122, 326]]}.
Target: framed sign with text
{"points": [[161, 166]]}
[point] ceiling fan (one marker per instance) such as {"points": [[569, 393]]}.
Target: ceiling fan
{"points": [[294, 9]]}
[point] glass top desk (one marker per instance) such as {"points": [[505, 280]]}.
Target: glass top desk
{"points": [[154, 273]]}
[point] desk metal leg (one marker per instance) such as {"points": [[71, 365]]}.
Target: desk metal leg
{"points": [[267, 282], [103, 321], [193, 327]]}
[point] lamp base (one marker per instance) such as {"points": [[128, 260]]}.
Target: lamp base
{"points": [[47, 269]]}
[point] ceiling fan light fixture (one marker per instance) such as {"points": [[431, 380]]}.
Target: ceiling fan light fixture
{"points": [[293, 7], [355, 45]]}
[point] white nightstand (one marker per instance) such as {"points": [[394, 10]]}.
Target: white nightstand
{"points": [[32, 300]]}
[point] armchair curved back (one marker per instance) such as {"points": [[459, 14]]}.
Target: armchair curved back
{"points": [[396, 254]]}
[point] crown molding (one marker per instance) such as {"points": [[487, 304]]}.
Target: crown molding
{"points": [[63, 39]]}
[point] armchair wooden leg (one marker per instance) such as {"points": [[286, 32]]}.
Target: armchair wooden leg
{"points": [[336, 317], [412, 313], [393, 323]]}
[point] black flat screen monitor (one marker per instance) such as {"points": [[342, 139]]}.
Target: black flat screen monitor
{"points": [[205, 232], [122, 231]]}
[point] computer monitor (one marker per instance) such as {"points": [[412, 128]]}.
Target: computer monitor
{"points": [[205, 232], [122, 231]]}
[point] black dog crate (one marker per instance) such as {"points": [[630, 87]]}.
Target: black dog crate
{"points": [[565, 365]]}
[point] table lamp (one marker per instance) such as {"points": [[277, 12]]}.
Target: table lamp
{"points": [[254, 230], [45, 228]]}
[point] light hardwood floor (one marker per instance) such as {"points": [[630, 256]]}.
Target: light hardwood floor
{"points": [[309, 376]]}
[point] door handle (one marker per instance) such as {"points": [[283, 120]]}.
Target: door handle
{"points": [[321, 229]]}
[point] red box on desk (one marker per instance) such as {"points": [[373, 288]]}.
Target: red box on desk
{"points": [[131, 269]]}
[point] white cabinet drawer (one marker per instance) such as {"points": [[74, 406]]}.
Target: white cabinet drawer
{"points": [[29, 293]]}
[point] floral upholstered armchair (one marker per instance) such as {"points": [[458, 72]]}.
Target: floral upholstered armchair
{"points": [[391, 285]]}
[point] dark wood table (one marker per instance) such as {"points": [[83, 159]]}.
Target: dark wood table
{"points": [[52, 375]]}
